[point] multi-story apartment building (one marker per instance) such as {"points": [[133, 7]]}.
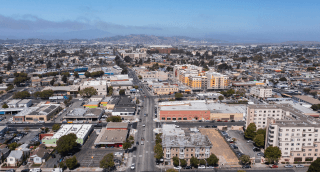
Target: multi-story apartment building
{"points": [[262, 92], [160, 75], [296, 134], [185, 67], [195, 82], [176, 143], [216, 80]]}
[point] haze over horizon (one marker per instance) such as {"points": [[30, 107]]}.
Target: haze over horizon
{"points": [[229, 20]]}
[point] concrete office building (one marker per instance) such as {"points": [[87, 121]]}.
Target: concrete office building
{"points": [[262, 92], [101, 86]]}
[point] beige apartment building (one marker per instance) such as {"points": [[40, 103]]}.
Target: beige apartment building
{"points": [[160, 75], [176, 143], [165, 89], [296, 134]]}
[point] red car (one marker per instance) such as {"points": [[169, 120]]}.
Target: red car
{"points": [[273, 166]]}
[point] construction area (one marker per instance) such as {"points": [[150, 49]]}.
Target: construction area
{"points": [[220, 147]]}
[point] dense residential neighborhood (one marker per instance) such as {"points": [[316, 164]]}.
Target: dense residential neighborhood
{"points": [[125, 104]]}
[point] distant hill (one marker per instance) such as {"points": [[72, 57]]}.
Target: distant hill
{"points": [[301, 42], [151, 39], [8, 41]]}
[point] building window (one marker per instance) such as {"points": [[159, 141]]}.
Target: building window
{"points": [[179, 118], [185, 119], [168, 118], [174, 119], [163, 118]]}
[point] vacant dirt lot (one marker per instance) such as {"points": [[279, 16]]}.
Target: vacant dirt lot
{"points": [[219, 147]]}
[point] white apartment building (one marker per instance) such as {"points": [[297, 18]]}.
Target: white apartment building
{"points": [[296, 134], [262, 92], [100, 85]]}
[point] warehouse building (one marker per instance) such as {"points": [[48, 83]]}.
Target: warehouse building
{"points": [[82, 131]]}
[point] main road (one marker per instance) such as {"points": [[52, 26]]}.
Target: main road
{"points": [[144, 156]]}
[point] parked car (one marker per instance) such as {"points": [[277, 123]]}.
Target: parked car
{"points": [[202, 167], [260, 154], [246, 166], [255, 149], [273, 166], [188, 167], [249, 141], [214, 126], [137, 143], [288, 166], [299, 166], [177, 168]]}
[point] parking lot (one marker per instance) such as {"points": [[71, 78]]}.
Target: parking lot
{"points": [[27, 138], [243, 146]]}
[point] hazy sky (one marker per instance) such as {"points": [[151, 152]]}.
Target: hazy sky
{"points": [[232, 20]]}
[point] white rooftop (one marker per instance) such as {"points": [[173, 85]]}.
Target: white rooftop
{"points": [[80, 130]]}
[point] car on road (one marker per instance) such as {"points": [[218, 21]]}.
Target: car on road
{"points": [[177, 126], [246, 166], [177, 168], [214, 126], [210, 167], [249, 141], [25, 170], [133, 166], [137, 143], [142, 142], [234, 146], [143, 125], [188, 167], [174, 121], [255, 149], [288, 166], [273, 166], [202, 167], [299, 166], [260, 154]]}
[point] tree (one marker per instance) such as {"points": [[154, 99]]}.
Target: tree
{"points": [[137, 101], [5, 105], [250, 132], [272, 154], [315, 166], [202, 162], [66, 143], [158, 138], [65, 78], [45, 94], [10, 59], [178, 96], [175, 161], [72, 162], [56, 127], [283, 79], [107, 161], [315, 107], [259, 140], [88, 92], [183, 162], [126, 145], [76, 74], [122, 92], [62, 165], [313, 93], [172, 170], [261, 131], [13, 146], [127, 59], [212, 160], [194, 161], [114, 119], [87, 74], [124, 71], [49, 64], [58, 66], [131, 139], [221, 98], [306, 90], [158, 152], [244, 159], [21, 95], [110, 90], [52, 82], [10, 87], [140, 77]]}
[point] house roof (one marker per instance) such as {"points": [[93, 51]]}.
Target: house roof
{"points": [[17, 154]]}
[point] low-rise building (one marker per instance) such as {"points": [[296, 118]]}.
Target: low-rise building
{"points": [[43, 113], [165, 89], [82, 115], [113, 135], [82, 131]]}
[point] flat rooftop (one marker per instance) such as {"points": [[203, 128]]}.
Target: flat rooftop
{"points": [[80, 130], [224, 108], [111, 136]]}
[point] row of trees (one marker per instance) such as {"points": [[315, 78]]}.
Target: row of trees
{"points": [[258, 136], [94, 74]]}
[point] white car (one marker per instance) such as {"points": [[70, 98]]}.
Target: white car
{"points": [[202, 167], [299, 166], [133, 166], [288, 166], [143, 125], [177, 126], [174, 121], [177, 168]]}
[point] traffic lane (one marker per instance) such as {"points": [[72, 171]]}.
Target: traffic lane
{"points": [[241, 142]]}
